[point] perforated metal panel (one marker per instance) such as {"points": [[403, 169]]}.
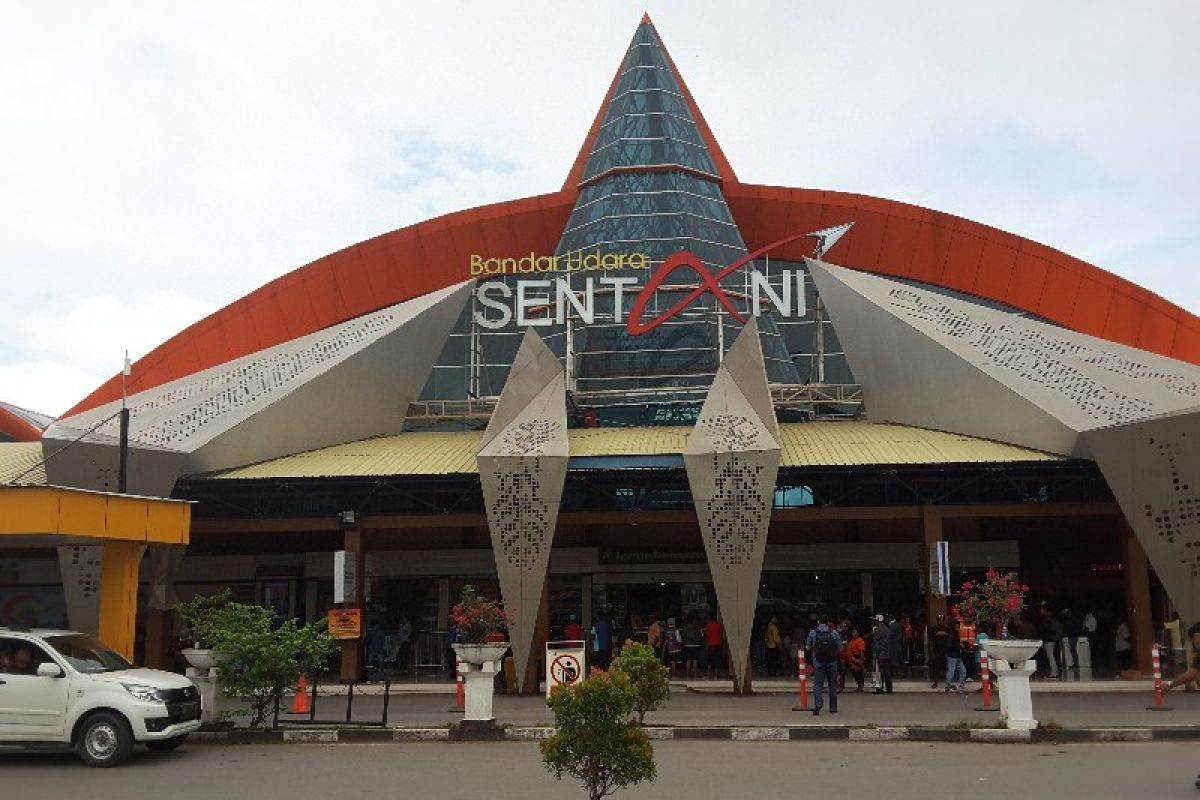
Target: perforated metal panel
{"points": [[732, 460], [522, 464], [1153, 467]]}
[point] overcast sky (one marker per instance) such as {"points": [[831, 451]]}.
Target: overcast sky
{"points": [[160, 160]]}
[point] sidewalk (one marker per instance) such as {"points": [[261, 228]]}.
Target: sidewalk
{"points": [[913, 705]]}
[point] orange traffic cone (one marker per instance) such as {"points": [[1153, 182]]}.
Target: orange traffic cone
{"points": [[300, 700]]}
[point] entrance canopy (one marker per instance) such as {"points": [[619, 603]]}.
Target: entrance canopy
{"points": [[54, 516], [114, 528]]}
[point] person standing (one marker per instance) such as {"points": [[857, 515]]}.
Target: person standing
{"points": [[1090, 626], [714, 634], [856, 657], [939, 637], [693, 645], [881, 646], [601, 642], [654, 635], [1072, 629], [1122, 646], [956, 671], [773, 643], [672, 645], [826, 646], [896, 639], [573, 631]]}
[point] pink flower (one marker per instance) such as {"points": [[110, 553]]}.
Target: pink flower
{"points": [[1014, 603]]}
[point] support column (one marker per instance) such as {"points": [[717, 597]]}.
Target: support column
{"points": [[118, 595], [163, 564], [352, 649], [931, 531], [534, 670], [522, 463], [80, 566], [1136, 577], [732, 460]]}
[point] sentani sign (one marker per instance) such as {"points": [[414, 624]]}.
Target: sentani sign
{"points": [[527, 300]]}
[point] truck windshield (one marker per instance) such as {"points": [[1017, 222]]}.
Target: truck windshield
{"points": [[87, 654]]}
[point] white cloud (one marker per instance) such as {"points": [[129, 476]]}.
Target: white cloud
{"points": [[160, 161]]}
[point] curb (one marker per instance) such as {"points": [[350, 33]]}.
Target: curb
{"points": [[740, 733]]}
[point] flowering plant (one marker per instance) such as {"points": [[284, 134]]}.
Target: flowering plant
{"points": [[478, 619], [999, 597]]}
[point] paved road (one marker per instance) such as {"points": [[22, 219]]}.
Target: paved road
{"points": [[693, 770], [1113, 709]]}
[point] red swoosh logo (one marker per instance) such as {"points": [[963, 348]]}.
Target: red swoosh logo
{"points": [[709, 283]]}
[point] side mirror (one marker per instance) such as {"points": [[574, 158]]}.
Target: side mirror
{"points": [[48, 669]]}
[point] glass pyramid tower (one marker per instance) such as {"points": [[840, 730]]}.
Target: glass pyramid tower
{"points": [[651, 185], [648, 183]]}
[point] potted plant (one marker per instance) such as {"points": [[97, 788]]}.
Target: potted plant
{"points": [[479, 625], [992, 602], [203, 615]]}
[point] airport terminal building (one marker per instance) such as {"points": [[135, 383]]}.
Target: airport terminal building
{"points": [[656, 389]]}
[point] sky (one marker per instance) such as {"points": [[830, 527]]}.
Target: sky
{"points": [[160, 160]]}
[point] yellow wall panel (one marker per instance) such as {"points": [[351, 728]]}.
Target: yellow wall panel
{"points": [[127, 518], [81, 513], [167, 523], [28, 510]]}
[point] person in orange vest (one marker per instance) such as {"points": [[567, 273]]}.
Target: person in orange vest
{"points": [[855, 655]]}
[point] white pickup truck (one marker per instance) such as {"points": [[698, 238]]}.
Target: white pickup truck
{"points": [[64, 689]]}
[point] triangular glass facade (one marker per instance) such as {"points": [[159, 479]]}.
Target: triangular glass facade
{"points": [[651, 186]]}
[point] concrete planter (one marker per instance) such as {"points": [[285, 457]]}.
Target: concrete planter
{"points": [[1009, 659], [205, 659], [478, 664]]}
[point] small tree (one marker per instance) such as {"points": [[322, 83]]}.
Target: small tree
{"points": [[648, 675], [268, 657], [595, 740]]}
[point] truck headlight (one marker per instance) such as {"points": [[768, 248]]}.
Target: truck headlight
{"points": [[146, 694]]}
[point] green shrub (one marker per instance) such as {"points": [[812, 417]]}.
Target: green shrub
{"points": [[268, 657], [202, 615], [647, 674], [595, 739]]}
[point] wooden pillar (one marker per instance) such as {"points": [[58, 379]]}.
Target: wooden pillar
{"points": [[352, 649], [156, 652], [1136, 576], [118, 595], [533, 667], [931, 531]]}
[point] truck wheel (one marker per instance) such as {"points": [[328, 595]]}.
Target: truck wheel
{"points": [[105, 740], [166, 745]]}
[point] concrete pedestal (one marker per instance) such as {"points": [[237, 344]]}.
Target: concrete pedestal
{"points": [[479, 685], [209, 686], [1016, 702]]}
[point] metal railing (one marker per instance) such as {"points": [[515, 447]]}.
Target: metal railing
{"points": [[281, 717]]}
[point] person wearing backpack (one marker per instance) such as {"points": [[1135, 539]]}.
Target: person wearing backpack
{"points": [[825, 646]]}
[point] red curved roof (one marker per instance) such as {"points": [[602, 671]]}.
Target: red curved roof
{"points": [[889, 238], [906, 241], [18, 427]]}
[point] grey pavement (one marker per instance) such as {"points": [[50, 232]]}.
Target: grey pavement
{"points": [[927, 707], [694, 770]]}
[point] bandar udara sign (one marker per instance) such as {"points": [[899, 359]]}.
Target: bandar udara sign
{"points": [[516, 301]]}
